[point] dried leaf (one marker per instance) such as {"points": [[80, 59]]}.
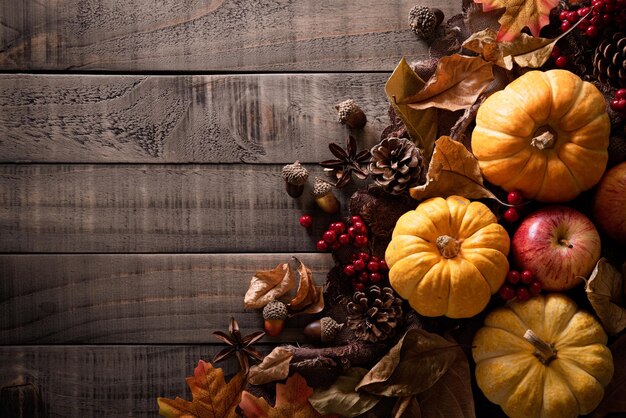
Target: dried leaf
{"points": [[268, 285], [412, 366], [292, 400], [212, 396], [275, 366], [341, 397], [450, 396], [614, 401], [420, 124], [309, 299], [533, 14], [605, 292], [457, 82], [407, 407], [525, 51], [453, 170]]}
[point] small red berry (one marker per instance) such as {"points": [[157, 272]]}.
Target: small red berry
{"points": [[335, 245], [355, 218], [619, 105], [359, 287], [322, 245], [344, 239], [583, 11], [572, 17], [592, 31], [360, 240], [364, 276], [358, 225], [515, 198], [506, 292], [382, 265], [359, 265], [565, 26], [563, 14], [306, 221], [338, 227], [620, 94], [373, 266], [352, 231], [329, 236], [535, 287], [556, 51], [375, 277], [511, 215], [561, 61], [513, 276], [349, 270], [527, 276], [364, 256], [522, 294], [596, 21]]}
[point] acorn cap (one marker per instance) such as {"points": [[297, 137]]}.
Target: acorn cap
{"points": [[295, 174], [275, 310], [424, 21], [350, 113], [321, 188], [330, 328]]}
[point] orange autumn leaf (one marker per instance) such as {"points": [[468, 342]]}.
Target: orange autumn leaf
{"points": [[533, 14], [212, 396], [292, 400]]}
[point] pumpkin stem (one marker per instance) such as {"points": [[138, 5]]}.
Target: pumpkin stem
{"points": [[448, 247], [544, 352], [545, 138]]}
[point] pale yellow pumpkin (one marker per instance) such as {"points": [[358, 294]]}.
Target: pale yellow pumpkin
{"points": [[542, 358], [546, 134], [448, 256]]}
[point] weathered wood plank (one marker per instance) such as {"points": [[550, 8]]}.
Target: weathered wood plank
{"points": [[165, 119], [125, 299], [208, 35], [104, 381], [154, 208]]}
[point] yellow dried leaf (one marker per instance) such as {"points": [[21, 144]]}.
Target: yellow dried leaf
{"points": [[268, 285]]}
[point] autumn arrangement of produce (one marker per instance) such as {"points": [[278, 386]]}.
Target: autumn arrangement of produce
{"points": [[480, 262]]}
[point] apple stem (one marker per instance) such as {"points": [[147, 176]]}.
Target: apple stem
{"points": [[448, 247], [544, 352], [566, 243]]}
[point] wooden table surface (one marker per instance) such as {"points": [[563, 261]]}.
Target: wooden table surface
{"points": [[141, 145]]}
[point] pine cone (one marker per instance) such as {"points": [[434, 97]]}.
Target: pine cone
{"points": [[396, 164], [609, 61], [374, 314]]}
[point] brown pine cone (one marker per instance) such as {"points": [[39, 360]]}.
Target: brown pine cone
{"points": [[609, 61], [396, 164], [374, 314]]}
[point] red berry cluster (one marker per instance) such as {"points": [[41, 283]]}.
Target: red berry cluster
{"points": [[619, 103], [521, 285], [516, 199], [338, 236], [365, 270], [604, 14]]}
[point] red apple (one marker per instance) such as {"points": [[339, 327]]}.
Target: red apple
{"points": [[609, 204], [558, 244]]}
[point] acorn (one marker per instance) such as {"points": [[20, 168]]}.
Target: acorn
{"points": [[424, 21], [295, 176], [351, 114], [274, 315], [324, 197], [324, 329]]}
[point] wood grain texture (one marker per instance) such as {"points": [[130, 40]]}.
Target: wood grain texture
{"points": [[208, 35], [105, 381], [181, 119], [124, 299], [155, 208]]}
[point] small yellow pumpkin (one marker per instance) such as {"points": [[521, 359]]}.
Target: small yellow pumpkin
{"points": [[448, 256], [542, 358], [546, 134]]}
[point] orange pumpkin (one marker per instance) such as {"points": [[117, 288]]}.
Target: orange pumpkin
{"points": [[546, 134]]}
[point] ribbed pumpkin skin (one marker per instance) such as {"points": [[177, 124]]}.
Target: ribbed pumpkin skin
{"points": [[457, 287], [508, 120], [510, 375]]}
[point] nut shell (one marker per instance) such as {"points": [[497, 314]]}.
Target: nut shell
{"points": [[275, 310]]}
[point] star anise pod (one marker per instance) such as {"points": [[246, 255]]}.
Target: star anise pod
{"points": [[238, 345], [349, 161]]}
